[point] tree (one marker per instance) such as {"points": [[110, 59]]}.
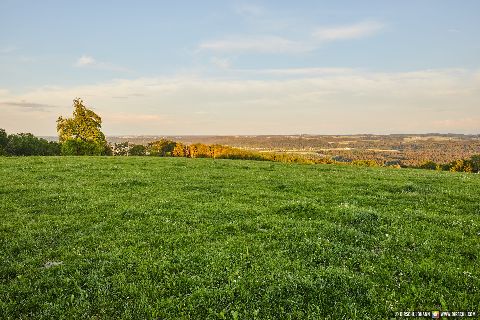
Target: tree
{"points": [[199, 150], [475, 161], [78, 147], [81, 134], [138, 150], [26, 144], [3, 141], [161, 148], [180, 150]]}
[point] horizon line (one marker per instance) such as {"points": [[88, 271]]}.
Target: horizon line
{"points": [[284, 134]]}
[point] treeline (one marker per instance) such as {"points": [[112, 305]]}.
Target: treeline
{"points": [[405, 150], [26, 144], [461, 165], [168, 148]]}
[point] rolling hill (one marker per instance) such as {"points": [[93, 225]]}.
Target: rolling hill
{"points": [[178, 238]]}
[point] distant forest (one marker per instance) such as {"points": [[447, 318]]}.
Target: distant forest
{"points": [[26, 144], [405, 150]]}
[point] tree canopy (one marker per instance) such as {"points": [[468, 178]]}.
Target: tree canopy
{"points": [[26, 144], [81, 134]]}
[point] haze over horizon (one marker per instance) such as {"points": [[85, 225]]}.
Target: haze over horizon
{"points": [[242, 67]]}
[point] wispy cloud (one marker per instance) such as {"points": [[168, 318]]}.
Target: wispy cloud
{"points": [[321, 100], [27, 59], [123, 117], [7, 49], [27, 105], [86, 61], [258, 44], [277, 44], [301, 72], [453, 30], [222, 63], [247, 9], [353, 31]]}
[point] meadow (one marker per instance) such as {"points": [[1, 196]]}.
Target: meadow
{"points": [[180, 238]]}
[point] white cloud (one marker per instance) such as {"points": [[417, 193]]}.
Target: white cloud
{"points": [[300, 72], [249, 10], [86, 61], [277, 44], [317, 100], [354, 31], [453, 30], [222, 63], [258, 44]]}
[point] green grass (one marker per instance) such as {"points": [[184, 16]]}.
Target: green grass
{"points": [[150, 238]]}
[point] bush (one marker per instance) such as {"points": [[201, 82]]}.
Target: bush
{"points": [[365, 163], [475, 162], [430, 165]]}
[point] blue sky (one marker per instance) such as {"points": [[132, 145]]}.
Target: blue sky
{"points": [[238, 67]]}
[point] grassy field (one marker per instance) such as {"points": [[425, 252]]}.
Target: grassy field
{"points": [[155, 238]]}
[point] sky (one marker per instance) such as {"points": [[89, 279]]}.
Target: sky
{"points": [[242, 67]]}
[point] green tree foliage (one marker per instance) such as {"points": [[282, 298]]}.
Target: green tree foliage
{"points": [[138, 150], [26, 144], [475, 161], [81, 134], [77, 147], [3, 141]]}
